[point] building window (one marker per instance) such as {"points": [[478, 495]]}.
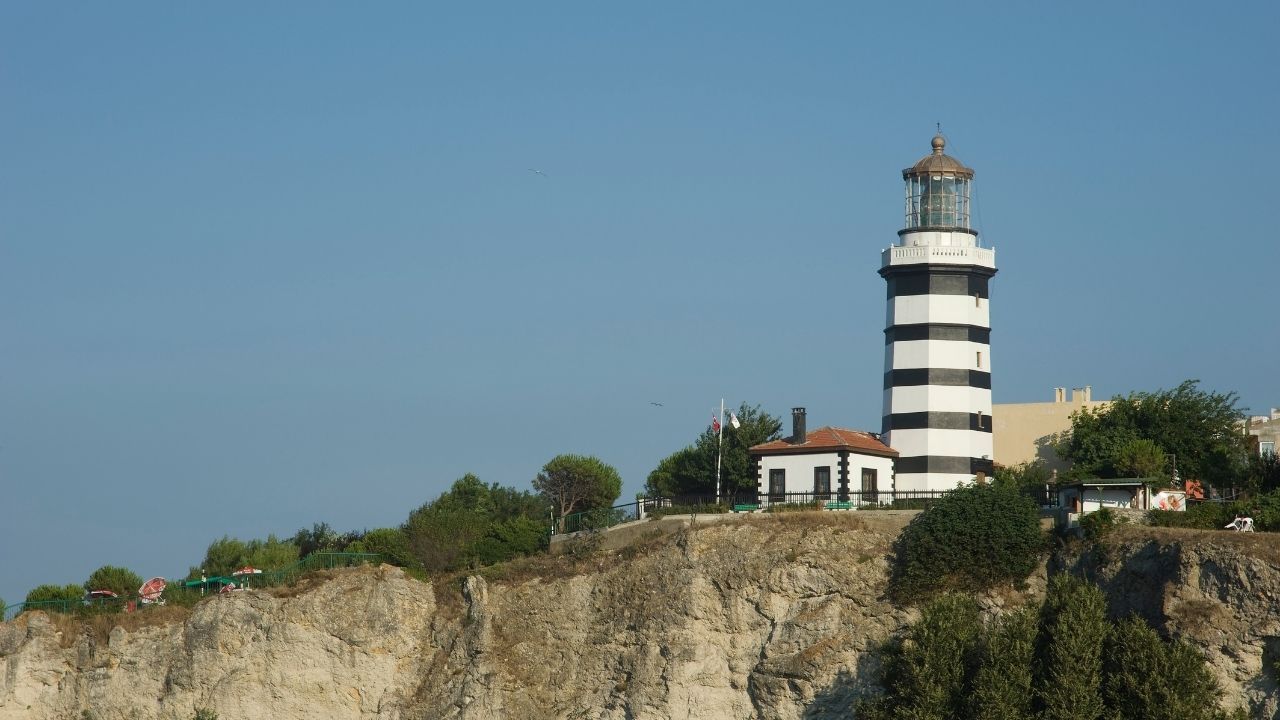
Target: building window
{"points": [[979, 359], [777, 485], [981, 420], [870, 493], [822, 483], [1267, 448], [977, 300]]}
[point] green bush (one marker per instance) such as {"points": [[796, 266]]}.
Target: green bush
{"points": [[1149, 679], [391, 543], [71, 596], [1002, 685], [971, 539], [1065, 661], [927, 672], [121, 581], [1205, 516], [1073, 629], [1097, 524]]}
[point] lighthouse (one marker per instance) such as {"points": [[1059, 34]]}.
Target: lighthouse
{"points": [[937, 358]]}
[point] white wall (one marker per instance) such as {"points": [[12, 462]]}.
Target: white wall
{"points": [[954, 354], [940, 398], [962, 309], [799, 469]]}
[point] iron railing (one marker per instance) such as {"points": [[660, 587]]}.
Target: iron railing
{"points": [[642, 508]]}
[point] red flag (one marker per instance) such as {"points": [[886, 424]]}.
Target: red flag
{"points": [[715, 424]]}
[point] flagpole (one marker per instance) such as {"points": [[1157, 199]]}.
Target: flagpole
{"points": [[719, 448]]}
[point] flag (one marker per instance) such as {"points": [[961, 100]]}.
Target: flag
{"points": [[733, 420], [715, 424]]}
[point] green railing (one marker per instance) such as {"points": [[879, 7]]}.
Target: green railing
{"points": [[193, 588]]}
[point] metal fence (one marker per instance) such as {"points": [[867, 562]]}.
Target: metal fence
{"points": [[646, 507], [189, 590]]}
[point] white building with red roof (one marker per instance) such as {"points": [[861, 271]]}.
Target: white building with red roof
{"points": [[830, 464]]}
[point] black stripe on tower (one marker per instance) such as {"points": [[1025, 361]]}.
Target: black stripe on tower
{"points": [[944, 464], [937, 376], [937, 331], [936, 420], [921, 278], [938, 283]]}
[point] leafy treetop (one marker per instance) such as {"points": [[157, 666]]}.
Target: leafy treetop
{"points": [[1197, 429], [692, 469]]}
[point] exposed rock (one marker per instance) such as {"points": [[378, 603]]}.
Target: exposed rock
{"points": [[769, 617]]}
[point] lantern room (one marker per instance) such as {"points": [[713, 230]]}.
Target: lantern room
{"points": [[937, 192]]}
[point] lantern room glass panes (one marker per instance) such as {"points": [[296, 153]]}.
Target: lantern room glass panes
{"points": [[937, 201]]}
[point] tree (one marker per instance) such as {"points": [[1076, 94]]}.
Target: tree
{"points": [[391, 543], [938, 550], [927, 672], [1073, 628], [1149, 679], [227, 554], [1023, 475], [474, 523], [69, 594], [121, 581], [577, 483], [1002, 685], [1140, 458], [1199, 429], [693, 468]]}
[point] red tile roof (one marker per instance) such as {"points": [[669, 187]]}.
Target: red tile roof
{"points": [[828, 438]]}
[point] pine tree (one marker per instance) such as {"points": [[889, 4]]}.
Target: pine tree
{"points": [[1149, 679], [1002, 684], [1073, 631]]}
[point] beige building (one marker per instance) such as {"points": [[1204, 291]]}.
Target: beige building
{"points": [[1024, 432], [1266, 428]]}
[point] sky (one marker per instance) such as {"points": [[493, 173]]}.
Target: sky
{"points": [[262, 267]]}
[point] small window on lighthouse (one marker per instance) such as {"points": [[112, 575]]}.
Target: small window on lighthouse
{"points": [[980, 420], [977, 300], [979, 359]]}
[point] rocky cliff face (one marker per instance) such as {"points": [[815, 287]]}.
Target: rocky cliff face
{"points": [[1220, 591], [771, 617]]}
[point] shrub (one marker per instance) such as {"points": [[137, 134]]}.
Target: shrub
{"points": [[1002, 685], [1073, 628], [1097, 524], [971, 539], [1205, 516], [122, 581], [72, 596], [926, 673], [391, 543], [1149, 679]]}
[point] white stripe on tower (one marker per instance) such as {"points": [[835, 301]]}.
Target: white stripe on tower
{"points": [[937, 398]]}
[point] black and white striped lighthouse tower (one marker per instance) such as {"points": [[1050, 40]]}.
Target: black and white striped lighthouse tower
{"points": [[937, 360]]}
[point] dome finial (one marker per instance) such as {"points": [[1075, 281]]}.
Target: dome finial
{"points": [[939, 142]]}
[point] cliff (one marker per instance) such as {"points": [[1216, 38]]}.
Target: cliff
{"points": [[766, 616]]}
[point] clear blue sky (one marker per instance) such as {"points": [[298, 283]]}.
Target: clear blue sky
{"points": [[262, 267]]}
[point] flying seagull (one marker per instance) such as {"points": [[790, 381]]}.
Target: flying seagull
{"points": [[655, 403], [537, 172]]}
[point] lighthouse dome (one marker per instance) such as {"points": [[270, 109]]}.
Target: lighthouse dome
{"points": [[938, 162]]}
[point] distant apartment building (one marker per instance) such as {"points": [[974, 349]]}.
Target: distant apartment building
{"points": [[1265, 428], [1024, 432]]}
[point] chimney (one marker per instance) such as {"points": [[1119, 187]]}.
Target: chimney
{"points": [[1076, 394], [1088, 393], [1059, 394], [798, 435]]}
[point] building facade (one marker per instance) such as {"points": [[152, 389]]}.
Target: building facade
{"points": [[1025, 432], [829, 464], [937, 379]]}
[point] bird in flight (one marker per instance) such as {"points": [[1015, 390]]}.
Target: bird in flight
{"points": [[658, 404], [536, 171]]}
